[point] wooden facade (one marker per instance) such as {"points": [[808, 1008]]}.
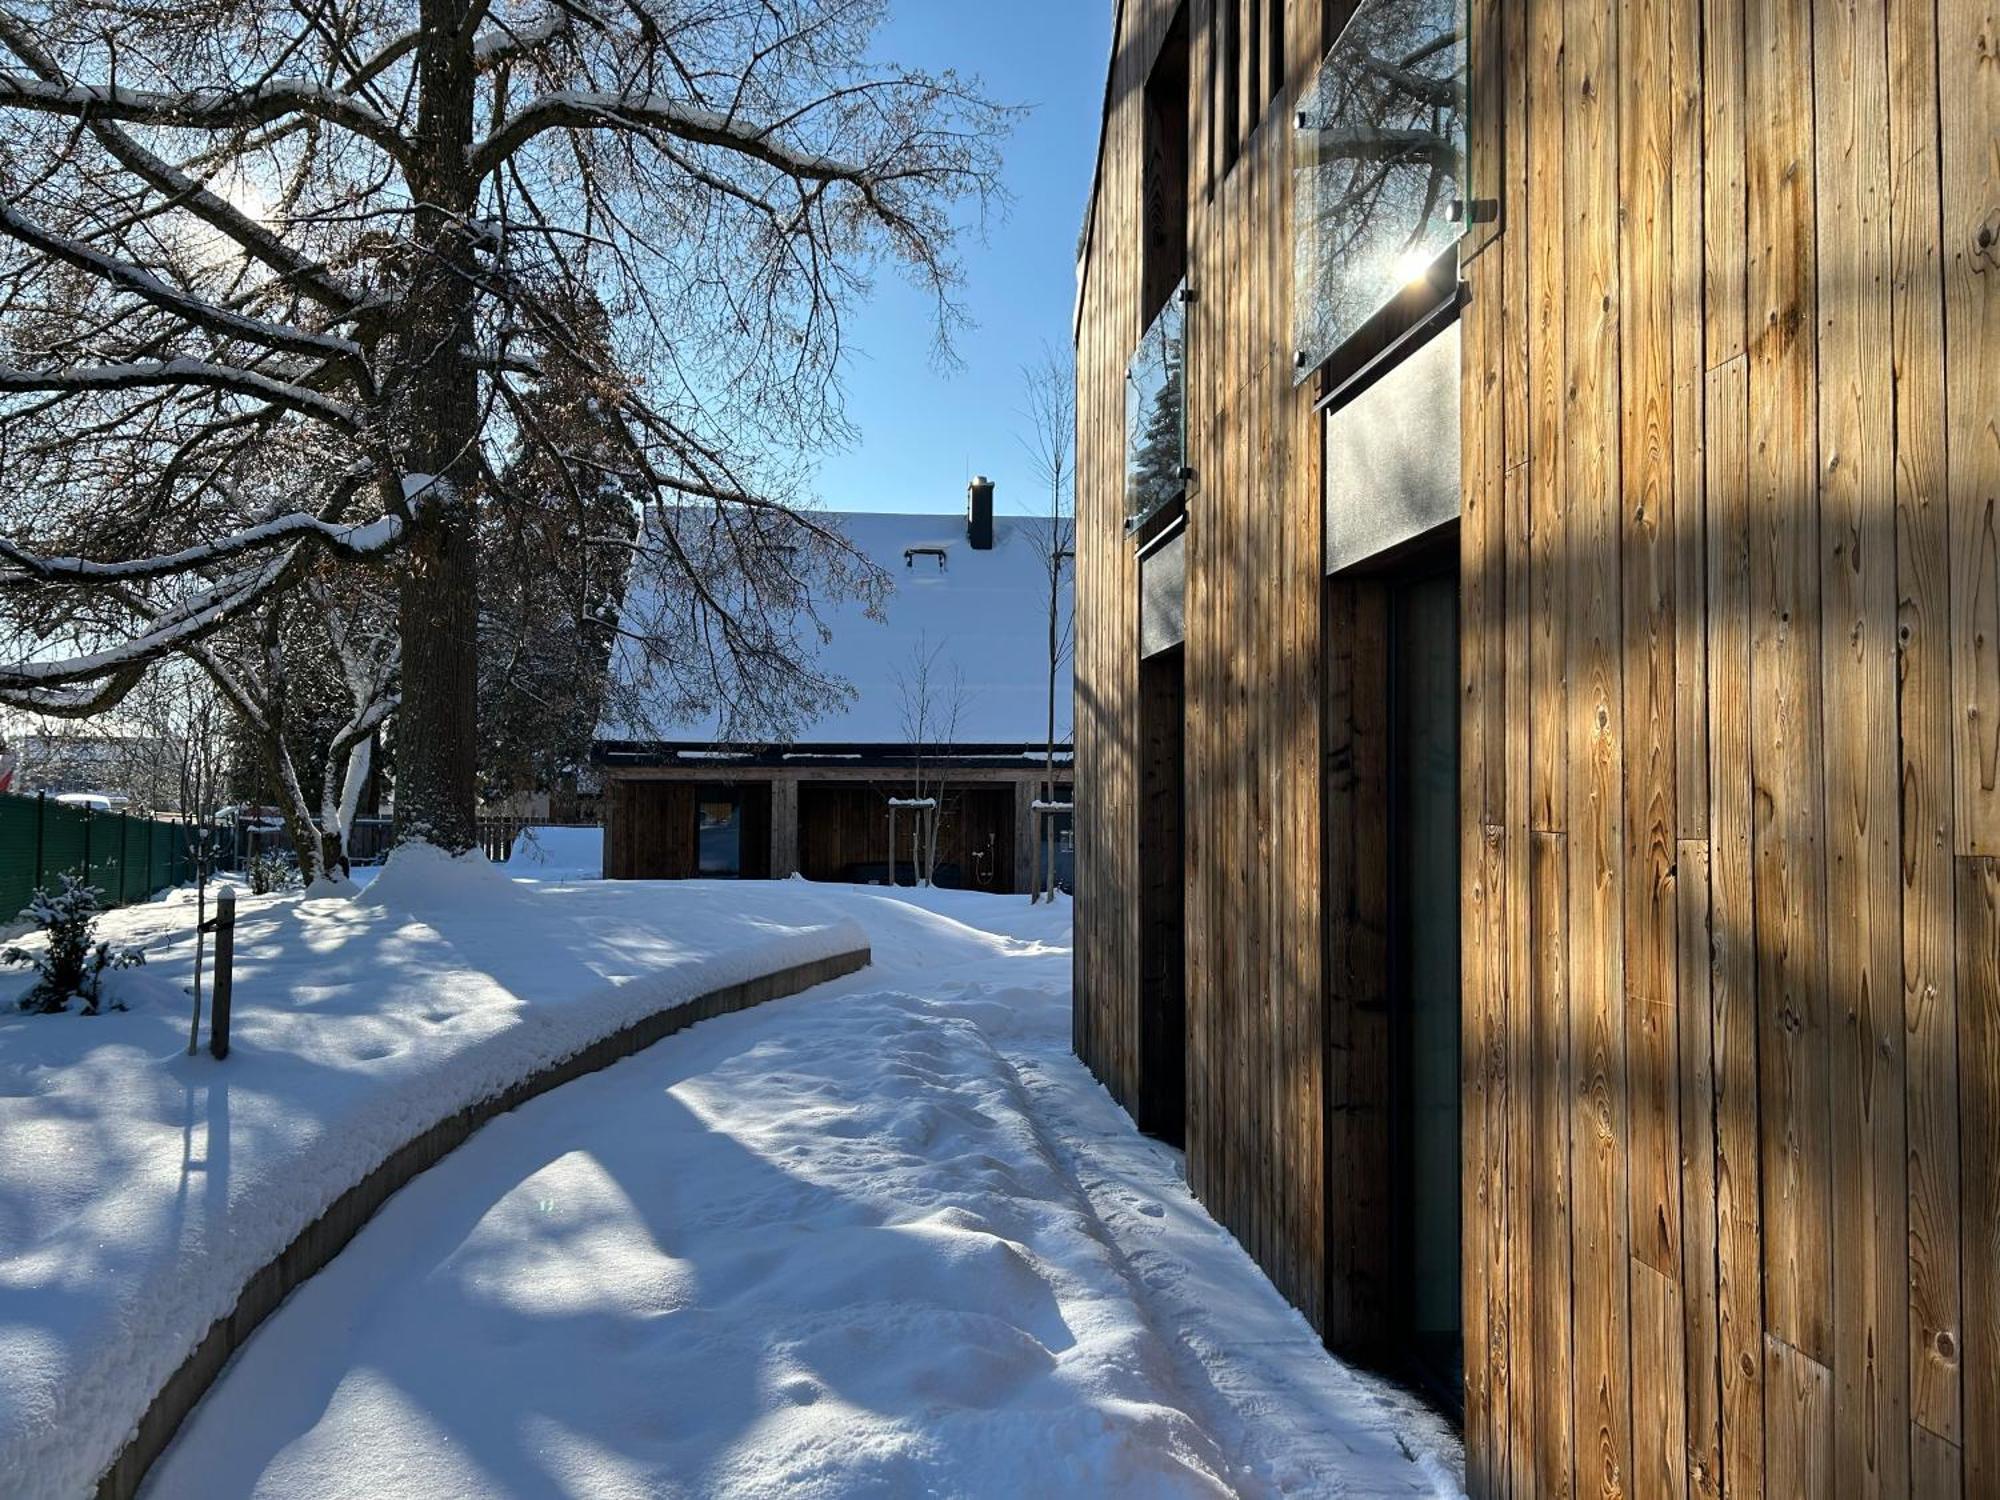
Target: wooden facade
{"points": [[1729, 585]]}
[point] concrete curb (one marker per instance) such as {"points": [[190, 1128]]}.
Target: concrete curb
{"points": [[324, 1238]]}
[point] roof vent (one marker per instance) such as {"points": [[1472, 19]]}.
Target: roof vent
{"points": [[979, 514], [911, 554]]}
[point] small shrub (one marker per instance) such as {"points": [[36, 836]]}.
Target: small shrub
{"points": [[69, 966], [272, 872]]}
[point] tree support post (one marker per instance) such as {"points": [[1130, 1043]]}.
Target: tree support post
{"points": [[225, 959]]}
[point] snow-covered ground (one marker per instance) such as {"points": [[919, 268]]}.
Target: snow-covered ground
{"points": [[884, 1238], [140, 1188]]}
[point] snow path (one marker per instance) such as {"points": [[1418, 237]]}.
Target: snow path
{"points": [[141, 1188], [885, 1238]]}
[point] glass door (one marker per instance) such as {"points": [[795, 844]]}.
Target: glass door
{"points": [[719, 833]]}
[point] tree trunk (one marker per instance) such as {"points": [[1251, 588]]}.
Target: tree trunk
{"points": [[436, 730], [436, 738]]}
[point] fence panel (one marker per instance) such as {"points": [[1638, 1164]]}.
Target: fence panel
{"points": [[63, 847], [130, 858], [18, 839]]}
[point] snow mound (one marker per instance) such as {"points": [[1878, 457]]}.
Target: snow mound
{"points": [[423, 878], [140, 1188]]}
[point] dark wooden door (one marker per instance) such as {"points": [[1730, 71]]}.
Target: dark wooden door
{"points": [[1390, 907], [1162, 897]]}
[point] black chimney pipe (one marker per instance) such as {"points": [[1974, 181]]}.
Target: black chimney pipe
{"points": [[979, 514]]}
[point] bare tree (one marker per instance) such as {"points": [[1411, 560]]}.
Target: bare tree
{"points": [[1050, 411], [239, 231], [933, 701]]}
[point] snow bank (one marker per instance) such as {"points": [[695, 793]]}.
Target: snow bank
{"points": [[422, 877], [140, 1188]]}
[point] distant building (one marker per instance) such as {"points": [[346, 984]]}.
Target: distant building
{"points": [[969, 591], [123, 768]]}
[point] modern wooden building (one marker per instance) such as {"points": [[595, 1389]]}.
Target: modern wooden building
{"points": [[949, 685], [1538, 707]]}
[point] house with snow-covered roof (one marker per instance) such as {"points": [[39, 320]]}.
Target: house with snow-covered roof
{"points": [[948, 706]]}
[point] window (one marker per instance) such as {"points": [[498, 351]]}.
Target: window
{"points": [[1380, 193], [1155, 439]]}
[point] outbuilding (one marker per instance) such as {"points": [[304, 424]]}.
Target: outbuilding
{"points": [[948, 718]]}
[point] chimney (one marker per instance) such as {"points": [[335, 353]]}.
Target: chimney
{"points": [[979, 514]]}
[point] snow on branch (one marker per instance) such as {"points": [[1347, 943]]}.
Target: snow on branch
{"points": [[218, 213], [141, 374], [191, 309], [349, 539], [171, 631], [204, 109], [589, 109]]}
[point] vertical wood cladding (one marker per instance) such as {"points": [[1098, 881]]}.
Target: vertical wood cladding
{"points": [[1255, 1043], [1731, 779]]}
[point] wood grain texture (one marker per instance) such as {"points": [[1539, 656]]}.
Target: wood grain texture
{"points": [[1979, 1105], [1870, 1352], [1733, 961], [1968, 52], [1928, 727], [1730, 674], [1798, 1432]]}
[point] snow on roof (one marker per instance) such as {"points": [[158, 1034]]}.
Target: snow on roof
{"points": [[985, 612]]}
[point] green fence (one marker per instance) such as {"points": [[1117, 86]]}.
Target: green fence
{"points": [[129, 857]]}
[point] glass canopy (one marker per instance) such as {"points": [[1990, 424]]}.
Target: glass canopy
{"points": [[1156, 416], [1380, 174]]}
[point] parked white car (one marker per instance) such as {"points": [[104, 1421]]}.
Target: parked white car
{"points": [[95, 801]]}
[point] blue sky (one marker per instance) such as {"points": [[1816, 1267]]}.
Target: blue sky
{"points": [[923, 431]]}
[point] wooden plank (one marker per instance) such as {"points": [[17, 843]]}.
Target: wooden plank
{"points": [[1927, 726], [1599, 1143], [1548, 372], [1477, 1256], [1688, 185], [1798, 1449], [1481, 764], [1979, 1105], [1496, 1269], [1736, 1468], [1969, 105], [1858, 659], [1659, 1404], [1733, 973], [1648, 562], [1936, 1466], [1519, 1362], [1699, 1298], [1725, 223], [1552, 1313], [1789, 841]]}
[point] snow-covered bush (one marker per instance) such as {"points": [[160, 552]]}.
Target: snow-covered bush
{"points": [[69, 966], [274, 871]]}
